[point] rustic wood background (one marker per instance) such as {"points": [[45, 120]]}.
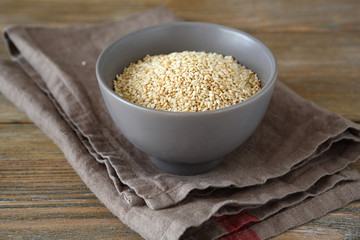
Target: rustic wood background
{"points": [[317, 44]]}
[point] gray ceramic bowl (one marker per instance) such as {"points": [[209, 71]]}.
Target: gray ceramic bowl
{"points": [[181, 142]]}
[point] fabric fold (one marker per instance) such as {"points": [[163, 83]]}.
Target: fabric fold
{"points": [[296, 158]]}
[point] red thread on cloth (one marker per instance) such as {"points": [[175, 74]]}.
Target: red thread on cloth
{"points": [[246, 234], [233, 223]]}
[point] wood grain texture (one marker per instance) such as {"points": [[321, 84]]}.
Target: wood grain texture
{"points": [[258, 15], [344, 223], [41, 196], [10, 114], [317, 44]]}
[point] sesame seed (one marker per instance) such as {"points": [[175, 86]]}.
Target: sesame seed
{"points": [[187, 82]]}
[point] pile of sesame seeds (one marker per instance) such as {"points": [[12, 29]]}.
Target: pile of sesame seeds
{"points": [[187, 82]]}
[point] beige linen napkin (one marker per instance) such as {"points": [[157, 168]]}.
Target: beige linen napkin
{"points": [[291, 170]]}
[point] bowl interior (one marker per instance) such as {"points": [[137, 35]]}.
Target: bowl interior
{"points": [[175, 37]]}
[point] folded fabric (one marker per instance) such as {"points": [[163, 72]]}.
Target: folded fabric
{"points": [[291, 170]]}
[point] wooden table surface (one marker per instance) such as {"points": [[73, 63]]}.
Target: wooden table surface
{"points": [[317, 44]]}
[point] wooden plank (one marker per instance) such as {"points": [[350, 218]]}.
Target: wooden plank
{"points": [[279, 15], [24, 142], [42, 196], [321, 67], [67, 228], [69, 212], [274, 16], [309, 232], [340, 224], [9, 113]]}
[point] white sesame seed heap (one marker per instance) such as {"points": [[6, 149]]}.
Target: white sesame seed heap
{"points": [[187, 82]]}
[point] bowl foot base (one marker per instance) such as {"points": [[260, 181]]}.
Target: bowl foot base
{"points": [[185, 168]]}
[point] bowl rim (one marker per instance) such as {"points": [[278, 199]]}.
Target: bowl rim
{"points": [[270, 55]]}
